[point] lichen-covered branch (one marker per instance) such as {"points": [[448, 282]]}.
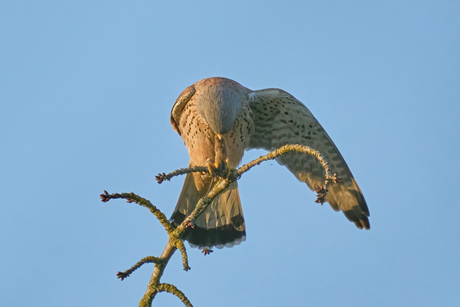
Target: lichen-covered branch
{"points": [[154, 283], [320, 190], [285, 149], [162, 176], [131, 197], [218, 187], [173, 290], [148, 259], [177, 243], [160, 263], [175, 234]]}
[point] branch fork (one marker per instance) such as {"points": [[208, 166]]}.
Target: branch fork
{"points": [[175, 234]]}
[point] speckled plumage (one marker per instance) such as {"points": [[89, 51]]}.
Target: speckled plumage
{"points": [[249, 119]]}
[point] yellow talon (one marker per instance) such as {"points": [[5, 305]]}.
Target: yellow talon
{"points": [[211, 168], [215, 169]]}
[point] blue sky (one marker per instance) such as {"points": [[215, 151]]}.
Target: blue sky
{"points": [[86, 89]]}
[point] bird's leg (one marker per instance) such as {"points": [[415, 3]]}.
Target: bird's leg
{"points": [[212, 172], [210, 165], [218, 167], [221, 160]]}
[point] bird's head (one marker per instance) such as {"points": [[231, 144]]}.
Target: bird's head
{"points": [[219, 101]]}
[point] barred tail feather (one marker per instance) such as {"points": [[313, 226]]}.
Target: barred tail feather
{"points": [[221, 223]]}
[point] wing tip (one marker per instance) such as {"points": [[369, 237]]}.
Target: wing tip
{"points": [[363, 223], [358, 217]]}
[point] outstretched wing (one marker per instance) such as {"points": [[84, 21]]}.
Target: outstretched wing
{"points": [[281, 119]]}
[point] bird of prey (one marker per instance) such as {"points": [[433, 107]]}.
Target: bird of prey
{"points": [[218, 108]]}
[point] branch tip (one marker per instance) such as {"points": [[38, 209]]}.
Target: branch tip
{"points": [[122, 275], [188, 224], [335, 178], [225, 176], [321, 194], [206, 251], [161, 177], [105, 197]]}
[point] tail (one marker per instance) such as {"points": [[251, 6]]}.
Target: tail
{"points": [[220, 224]]}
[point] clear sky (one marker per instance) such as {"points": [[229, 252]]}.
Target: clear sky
{"points": [[86, 89]]}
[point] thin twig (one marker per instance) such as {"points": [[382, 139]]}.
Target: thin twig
{"points": [[131, 197], [175, 234], [152, 287], [285, 149], [162, 176], [148, 259], [173, 290]]}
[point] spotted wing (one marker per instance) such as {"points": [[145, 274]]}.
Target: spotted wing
{"points": [[281, 119]]}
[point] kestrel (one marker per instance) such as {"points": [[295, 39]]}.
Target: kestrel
{"points": [[217, 108]]}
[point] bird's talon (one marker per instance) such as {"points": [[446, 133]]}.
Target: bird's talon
{"points": [[218, 170], [211, 168], [222, 170]]}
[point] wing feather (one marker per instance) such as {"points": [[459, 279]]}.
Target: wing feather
{"points": [[281, 119]]}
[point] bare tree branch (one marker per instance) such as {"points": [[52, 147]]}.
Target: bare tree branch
{"points": [[148, 259], [175, 234], [162, 176]]}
